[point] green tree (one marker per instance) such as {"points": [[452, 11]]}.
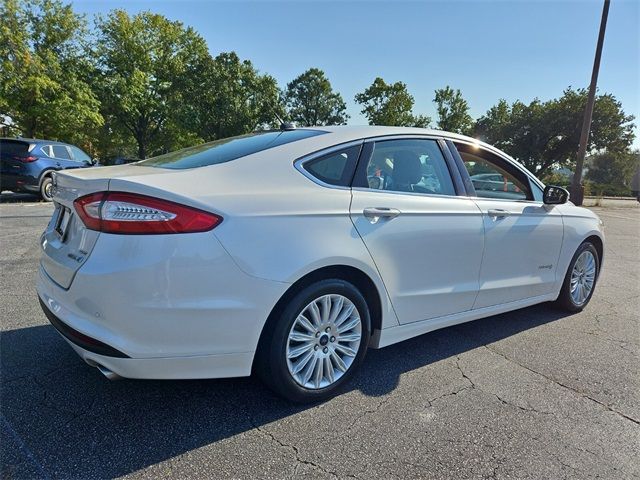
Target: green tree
{"points": [[542, 135], [44, 87], [453, 111], [230, 97], [311, 101], [144, 66], [390, 104], [613, 168]]}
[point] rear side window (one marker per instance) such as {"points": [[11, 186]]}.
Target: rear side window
{"points": [[12, 148], [410, 166], [227, 149], [60, 151], [335, 168]]}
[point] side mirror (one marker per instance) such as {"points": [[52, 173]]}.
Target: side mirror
{"points": [[555, 195]]}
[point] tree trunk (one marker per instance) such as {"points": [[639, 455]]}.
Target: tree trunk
{"points": [[142, 149]]}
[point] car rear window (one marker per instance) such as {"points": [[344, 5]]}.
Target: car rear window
{"points": [[13, 148], [227, 149]]}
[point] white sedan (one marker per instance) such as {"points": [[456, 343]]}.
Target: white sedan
{"points": [[289, 253]]}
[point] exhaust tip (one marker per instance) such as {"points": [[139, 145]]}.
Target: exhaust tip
{"points": [[108, 373]]}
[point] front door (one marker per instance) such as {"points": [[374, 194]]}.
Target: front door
{"points": [[523, 236], [426, 242]]}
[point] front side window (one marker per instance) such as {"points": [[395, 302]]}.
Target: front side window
{"points": [[493, 177], [409, 165], [335, 168], [79, 155], [60, 151]]}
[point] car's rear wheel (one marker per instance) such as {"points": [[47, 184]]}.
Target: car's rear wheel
{"points": [[46, 188], [580, 280], [316, 343]]}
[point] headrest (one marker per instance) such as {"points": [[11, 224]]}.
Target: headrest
{"points": [[407, 169]]}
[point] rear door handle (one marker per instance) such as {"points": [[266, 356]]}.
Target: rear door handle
{"points": [[374, 214], [498, 213]]}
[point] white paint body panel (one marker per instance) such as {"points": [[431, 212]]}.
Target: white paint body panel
{"points": [[194, 305], [429, 255]]}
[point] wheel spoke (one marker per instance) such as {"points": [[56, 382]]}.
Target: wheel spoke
{"points": [[302, 362], [305, 323], [309, 370], [346, 350], [326, 308], [349, 337], [298, 336], [346, 326], [315, 314], [319, 373], [336, 308], [299, 350], [346, 313], [328, 370], [340, 365]]}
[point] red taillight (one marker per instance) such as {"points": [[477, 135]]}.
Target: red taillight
{"points": [[27, 159], [130, 213]]}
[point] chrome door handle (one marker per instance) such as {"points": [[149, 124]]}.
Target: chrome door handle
{"points": [[498, 213], [374, 214]]}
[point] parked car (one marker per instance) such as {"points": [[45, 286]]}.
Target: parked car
{"points": [[27, 164], [273, 253]]}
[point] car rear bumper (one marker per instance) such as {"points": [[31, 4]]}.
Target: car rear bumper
{"points": [[155, 313], [111, 361]]}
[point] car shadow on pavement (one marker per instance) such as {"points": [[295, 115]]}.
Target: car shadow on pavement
{"points": [[9, 197], [61, 418]]}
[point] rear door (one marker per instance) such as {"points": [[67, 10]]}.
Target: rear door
{"points": [[523, 236], [425, 240]]}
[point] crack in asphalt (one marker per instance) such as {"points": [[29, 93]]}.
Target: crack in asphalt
{"points": [[296, 453], [376, 409], [567, 387], [473, 385]]}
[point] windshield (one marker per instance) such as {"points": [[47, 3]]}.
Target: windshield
{"points": [[227, 149]]}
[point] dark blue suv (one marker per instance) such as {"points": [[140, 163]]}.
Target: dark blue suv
{"points": [[26, 164]]}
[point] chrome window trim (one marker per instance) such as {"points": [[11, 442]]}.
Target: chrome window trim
{"points": [[299, 162], [412, 194]]}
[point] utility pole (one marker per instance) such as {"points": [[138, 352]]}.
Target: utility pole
{"points": [[577, 189]]}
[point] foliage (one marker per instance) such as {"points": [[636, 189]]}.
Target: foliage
{"points": [[542, 135], [230, 97], [44, 88], [453, 111], [311, 101], [143, 63], [613, 168], [390, 104]]}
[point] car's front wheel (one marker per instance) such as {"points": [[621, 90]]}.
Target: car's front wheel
{"points": [[580, 280], [316, 343]]}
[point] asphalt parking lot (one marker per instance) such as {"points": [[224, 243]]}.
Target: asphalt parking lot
{"points": [[535, 393]]}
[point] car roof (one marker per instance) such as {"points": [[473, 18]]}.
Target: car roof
{"points": [[33, 140], [355, 132]]}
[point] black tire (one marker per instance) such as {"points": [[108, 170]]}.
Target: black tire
{"points": [[271, 361], [565, 300], [45, 189]]}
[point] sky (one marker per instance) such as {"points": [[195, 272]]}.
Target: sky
{"points": [[488, 49]]}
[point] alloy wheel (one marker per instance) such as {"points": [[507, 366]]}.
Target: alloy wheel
{"points": [[323, 341], [583, 277]]}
